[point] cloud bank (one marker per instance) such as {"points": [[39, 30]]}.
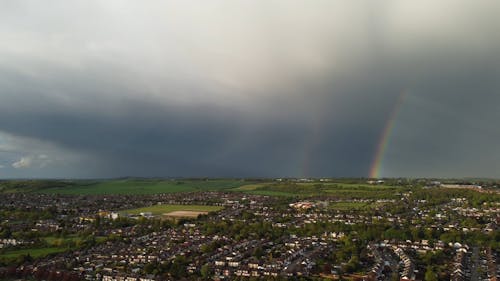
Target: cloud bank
{"points": [[237, 88]]}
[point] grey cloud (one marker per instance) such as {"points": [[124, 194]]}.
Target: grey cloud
{"points": [[286, 88]]}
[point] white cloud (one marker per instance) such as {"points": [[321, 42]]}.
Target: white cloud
{"points": [[37, 161], [24, 162], [23, 156], [2, 166]]}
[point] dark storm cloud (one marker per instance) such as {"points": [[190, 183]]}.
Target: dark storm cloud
{"points": [[147, 139], [135, 137], [290, 88]]}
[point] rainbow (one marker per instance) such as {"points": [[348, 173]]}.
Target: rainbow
{"points": [[385, 137], [311, 143]]}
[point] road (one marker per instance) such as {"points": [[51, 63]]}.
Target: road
{"points": [[474, 262]]}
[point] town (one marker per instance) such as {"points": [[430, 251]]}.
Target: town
{"points": [[264, 230], [249, 140]]}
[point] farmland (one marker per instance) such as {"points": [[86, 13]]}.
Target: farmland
{"points": [[121, 186], [338, 189], [332, 189]]}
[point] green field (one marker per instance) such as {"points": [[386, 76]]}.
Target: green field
{"points": [[339, 190], [161, 209], [272, 193], [250, 187], [57, 242], [345, 206], [133, 186], [34, 253], [263, 189]]}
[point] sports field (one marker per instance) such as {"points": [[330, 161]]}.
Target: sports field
{"points": [[163, 209], [184, 214]]}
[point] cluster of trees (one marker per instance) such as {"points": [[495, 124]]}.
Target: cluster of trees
{"points": [[24, 215], [175, 268], [437, 196], [436, 264], [31, 185], [240, 230]]}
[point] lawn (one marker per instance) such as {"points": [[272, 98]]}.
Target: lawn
{"points": [[57, 242], [134, 186], [161, 209], [35, 252]]}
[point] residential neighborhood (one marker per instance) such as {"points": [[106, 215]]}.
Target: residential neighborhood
{"points": [[406, 236]]}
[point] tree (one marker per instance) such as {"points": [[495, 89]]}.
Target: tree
{"points": [[6, 233], [205, 271], [258, 252], [149, 268], [430, 275]]}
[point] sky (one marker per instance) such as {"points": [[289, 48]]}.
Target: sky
{"points": [[233, 88]]}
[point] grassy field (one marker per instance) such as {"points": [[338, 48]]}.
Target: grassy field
{"points": [[339, 190], [262, 189], [161, 209], [272, 193], [57, 242], [133, 186], [250, 187], [15, 186], [35, 252], [344, 206]]}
